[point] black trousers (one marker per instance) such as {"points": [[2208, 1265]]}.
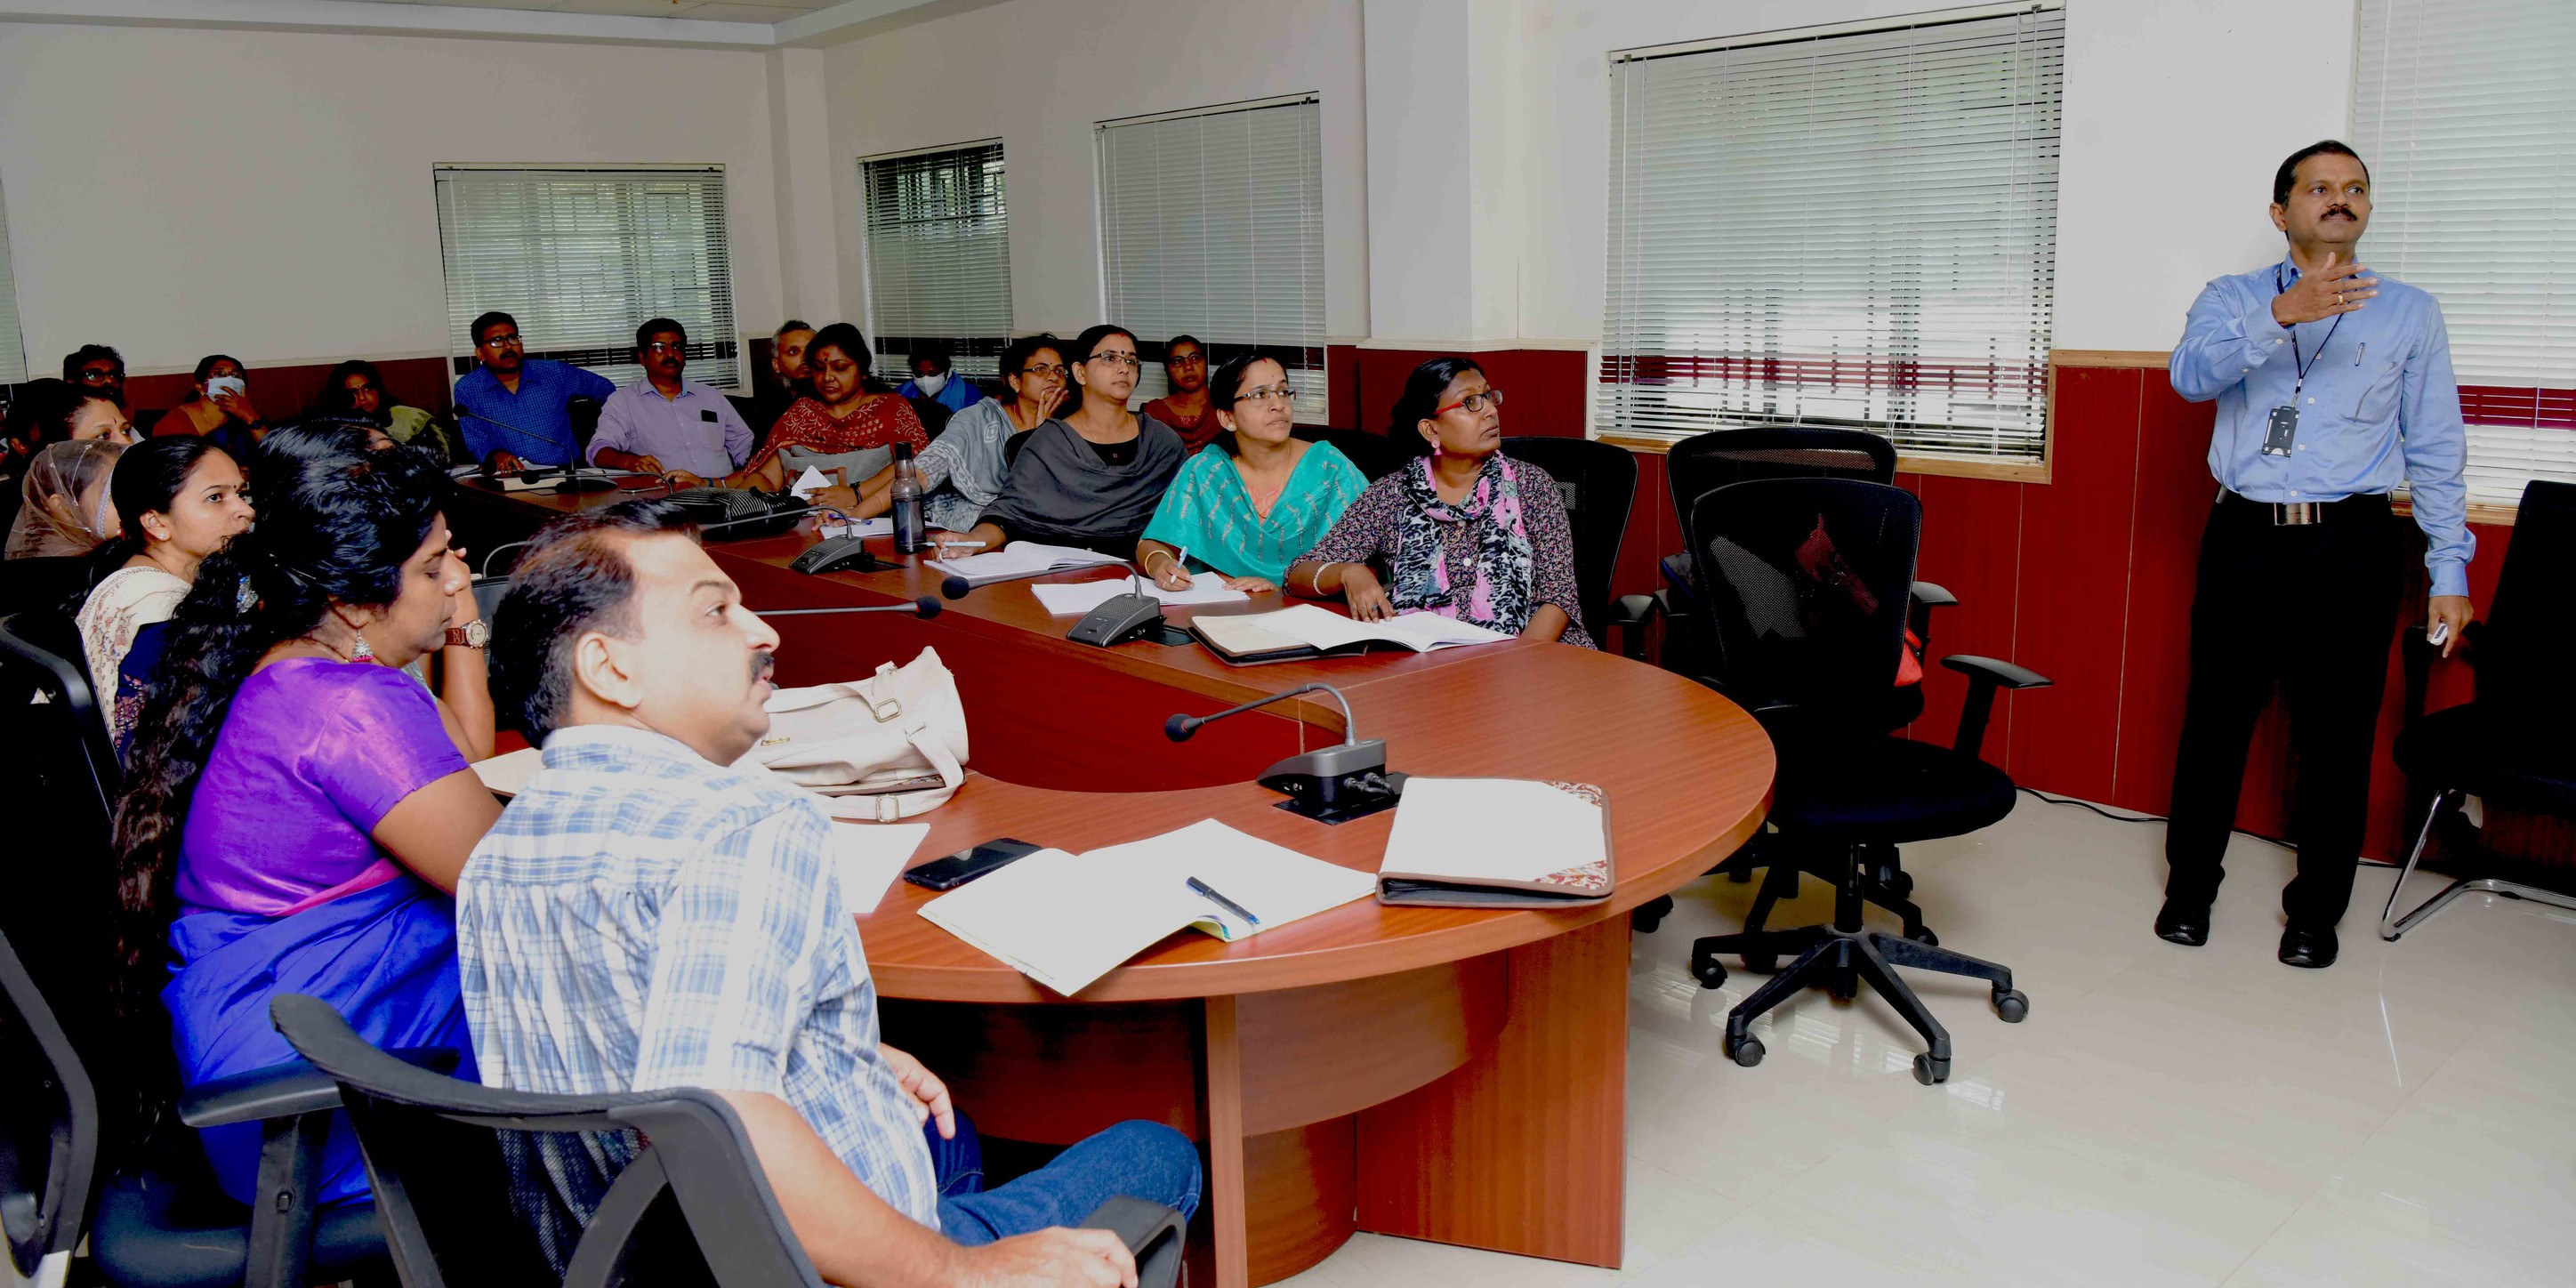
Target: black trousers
{"points": [[2311, 610]]}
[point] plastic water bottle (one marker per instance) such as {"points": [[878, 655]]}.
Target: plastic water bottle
{"points": [[911, 533]]}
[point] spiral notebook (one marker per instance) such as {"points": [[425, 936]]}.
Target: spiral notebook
{"points": [[1498, 843]]}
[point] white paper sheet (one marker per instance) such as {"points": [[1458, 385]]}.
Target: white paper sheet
{"points": [[509, 774], [1022, 559], [1081, 597], [870, 856], [1323, 628], [808, 483], [876, 527]]}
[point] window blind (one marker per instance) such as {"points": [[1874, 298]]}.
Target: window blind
{"points": [[1852, 229], [582, 257], [1212, 225], [13, 344], [939, 256], [2465, 112]]}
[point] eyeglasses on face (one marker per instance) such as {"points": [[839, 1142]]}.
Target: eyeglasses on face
{"points": [[501, 340], [1056, 370], [1474, 403], [668, 346], [1124, 361], [1275, 393], [97, 375]]}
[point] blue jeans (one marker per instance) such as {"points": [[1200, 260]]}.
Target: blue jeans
{"points": [[1138, 1159]]}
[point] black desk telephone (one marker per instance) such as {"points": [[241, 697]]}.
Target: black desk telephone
{"points": [[838, 554], [1119, 619]]}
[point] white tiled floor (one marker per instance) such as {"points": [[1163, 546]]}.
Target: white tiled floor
{"points": [[2165, 1116]]}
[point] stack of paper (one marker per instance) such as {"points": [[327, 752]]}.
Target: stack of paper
{"points": [[1292, 631], [1497, 842], [1074, 600], [869, 856], [1022, 559], [1065, 920]]}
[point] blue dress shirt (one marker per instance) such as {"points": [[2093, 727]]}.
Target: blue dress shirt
{"points": [[533, 423], [2379, 407], [699, 431]]}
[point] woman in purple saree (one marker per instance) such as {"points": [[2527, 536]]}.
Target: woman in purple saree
{"points": [[316, 849]]}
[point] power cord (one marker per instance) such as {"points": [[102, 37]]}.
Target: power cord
{"points": [[2365, 861]]}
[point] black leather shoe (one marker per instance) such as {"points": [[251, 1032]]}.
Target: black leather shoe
{"points": [[2182, 923], [2311, 949]]}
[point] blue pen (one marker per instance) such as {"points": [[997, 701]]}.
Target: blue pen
{"points": [[1221, 901]]}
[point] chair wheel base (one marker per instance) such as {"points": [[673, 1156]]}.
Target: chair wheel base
{"points": [[1710, 972], [1746, 1051], [1930, 1069], [1761, 963], [2012, 1006], [1926, 938], [1646, 917]]}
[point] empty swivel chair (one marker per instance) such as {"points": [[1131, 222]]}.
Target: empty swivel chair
{"points": [[1598, 483]]}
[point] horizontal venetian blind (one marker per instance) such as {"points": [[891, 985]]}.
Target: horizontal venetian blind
{"points": [[13, 344], [2465, 111], [939, 255], [1212, 225], [1851, 229], [581, 257]]}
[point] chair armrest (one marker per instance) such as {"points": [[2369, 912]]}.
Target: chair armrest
{"points": [[1985, 675], [1151, 1231], [1630, 613], [282, 1091], [1925, 597], [1933, 595]]}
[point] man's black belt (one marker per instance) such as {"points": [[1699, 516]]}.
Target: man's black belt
{"points": [[2299, 514]]}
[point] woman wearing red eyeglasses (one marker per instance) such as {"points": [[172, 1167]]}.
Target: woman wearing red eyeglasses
{"points": [[1465, 532]]}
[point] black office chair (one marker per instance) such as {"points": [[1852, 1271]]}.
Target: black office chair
{"points": [[157, 1219], [2514, 746], [1809, 586], [1374, 455], [1703, 463], [583, 412], [48, 581], [478, 1186], [50, 1139], [1598, 483], [1011, 450]]}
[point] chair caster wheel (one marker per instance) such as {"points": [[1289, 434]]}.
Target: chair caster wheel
{"points": [[1926, 938], [1761, 963], [1739, 875], [1843, 986], [2011, 1005], [1710, 972], [1929, 1071], [1645, 920], [1746, 1051], [1903, 885]]}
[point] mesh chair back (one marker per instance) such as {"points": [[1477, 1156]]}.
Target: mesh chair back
{"points": [[1598, 483], [476, 1186], [2522, 648], [1703, 463], [49, 1125], [1808, 586]]}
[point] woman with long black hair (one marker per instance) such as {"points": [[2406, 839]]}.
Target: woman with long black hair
{"points": [[177, 499], [297, 812]]}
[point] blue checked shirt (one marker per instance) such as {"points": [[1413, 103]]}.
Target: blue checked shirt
{"points": [[641, 919], [532, 424], [2380, 406]]}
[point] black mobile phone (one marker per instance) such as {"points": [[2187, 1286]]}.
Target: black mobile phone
{"points": [[966, 865]]}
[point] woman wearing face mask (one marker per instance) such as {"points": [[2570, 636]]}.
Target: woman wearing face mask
{"points": [[850, 424], [1465, 531], [1258, 497], [1092, 476], [297, 815], [64, 508], [220, 408], [964, 468], [178, 500]]}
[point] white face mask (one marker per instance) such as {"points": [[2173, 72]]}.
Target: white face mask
{"points": [[930, 385]]}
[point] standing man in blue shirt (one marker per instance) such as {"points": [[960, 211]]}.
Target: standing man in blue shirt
{"points": [[514, 409], [2333, 387], [664, 425]]}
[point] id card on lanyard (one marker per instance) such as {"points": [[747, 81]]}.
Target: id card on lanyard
{"points": [[2281, 429]]}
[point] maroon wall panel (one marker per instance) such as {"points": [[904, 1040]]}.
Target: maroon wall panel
{"points": [[1544, 388]]}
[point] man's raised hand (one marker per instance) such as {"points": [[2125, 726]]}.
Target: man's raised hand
{"points": [[2332, 289]]}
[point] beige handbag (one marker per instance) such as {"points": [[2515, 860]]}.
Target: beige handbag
{"points": [[884, 748]]}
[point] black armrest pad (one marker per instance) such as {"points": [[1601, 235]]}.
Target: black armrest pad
{"points": [[1631, 610], [1996, 671], [1151, 1231], [1932, 595], [282, 1091]]}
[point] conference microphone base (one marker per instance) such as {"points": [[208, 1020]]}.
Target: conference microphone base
{"points": [[1336, 784]]}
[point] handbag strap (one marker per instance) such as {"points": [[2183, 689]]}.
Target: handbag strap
{"points": [[896, 806]]}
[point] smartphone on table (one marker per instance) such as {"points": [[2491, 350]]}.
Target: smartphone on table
{"points": [[966, 865]]}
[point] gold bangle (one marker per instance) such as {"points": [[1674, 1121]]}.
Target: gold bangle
{"points": [[1149, 558]]}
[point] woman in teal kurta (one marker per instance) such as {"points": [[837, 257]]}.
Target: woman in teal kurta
{"points": [[1257, 498]]}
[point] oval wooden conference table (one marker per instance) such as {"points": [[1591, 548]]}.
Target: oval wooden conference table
{"points": [[1439, 1074]]}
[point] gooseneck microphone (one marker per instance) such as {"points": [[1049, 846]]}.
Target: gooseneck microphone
{"points": [[1180, 727], [923, 607], [955, 587], [1329, 784]]}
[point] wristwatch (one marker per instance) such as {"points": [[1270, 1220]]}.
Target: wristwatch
{"points": [[473, 634]]}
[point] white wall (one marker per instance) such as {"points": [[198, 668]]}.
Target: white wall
{"points": [[1038, 74], [175, 192]]}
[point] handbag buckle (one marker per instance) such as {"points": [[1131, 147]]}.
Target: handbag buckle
{"points": [[884, 709]]}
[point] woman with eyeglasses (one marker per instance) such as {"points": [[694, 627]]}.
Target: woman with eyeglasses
{"points": [[1258, 497], [963, 469], [1465, 532], [1092, 476]]}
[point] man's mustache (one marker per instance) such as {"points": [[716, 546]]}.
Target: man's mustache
{"points": [[762, 663], [2332, 211]]}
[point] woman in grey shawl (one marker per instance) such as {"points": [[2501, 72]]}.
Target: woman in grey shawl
{"points": [[1091, 476]]}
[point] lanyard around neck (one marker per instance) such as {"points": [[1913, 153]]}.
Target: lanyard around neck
{"points": [[2302, 365]]}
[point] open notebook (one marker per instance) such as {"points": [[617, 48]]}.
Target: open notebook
{"points": [[1497, 843], [1065, 920], [1308, 630], [1022, 559]]}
